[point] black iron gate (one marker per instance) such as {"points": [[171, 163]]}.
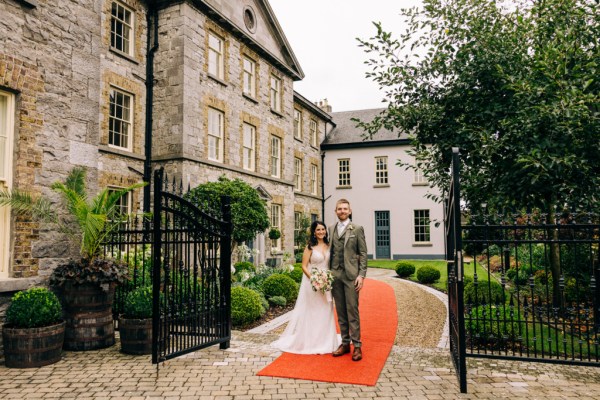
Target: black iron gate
{"points": [[191, 254], [455, 276], [522, 285], [185, 254]]}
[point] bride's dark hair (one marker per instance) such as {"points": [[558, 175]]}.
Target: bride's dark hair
{"points": [[312, 240]]}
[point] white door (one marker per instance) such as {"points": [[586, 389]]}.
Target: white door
{"points": [[7, 110]]}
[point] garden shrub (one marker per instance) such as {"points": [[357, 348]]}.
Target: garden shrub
{"points": [[483, 293], [492, 325], [296, 274], [244, 266], [278, 301], [427, 274], [404, 269], [138, 303], [246, 306], [280, 285], [34, 308]]}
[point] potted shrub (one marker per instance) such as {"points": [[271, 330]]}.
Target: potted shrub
{"points": [[274, 234], [135, 324], [87, 285], [34, 331]]}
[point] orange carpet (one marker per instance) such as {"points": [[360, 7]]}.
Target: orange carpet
{"points": [[378, 324]]}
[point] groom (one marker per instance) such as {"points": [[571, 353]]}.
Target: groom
{"points": [[349, 267]]}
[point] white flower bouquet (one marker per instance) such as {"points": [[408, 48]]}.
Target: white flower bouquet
{"points": [[321, 280]]}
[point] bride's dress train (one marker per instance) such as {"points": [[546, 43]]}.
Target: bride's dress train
{"points": [[311, 329]]}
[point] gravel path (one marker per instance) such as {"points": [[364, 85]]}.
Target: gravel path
{"points": [[421, 315]]}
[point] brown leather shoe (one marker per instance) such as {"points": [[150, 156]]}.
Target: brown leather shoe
{"points": [[343, 349], [357, 354]]}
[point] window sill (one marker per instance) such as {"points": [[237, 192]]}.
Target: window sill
{"points": [[124, 55], [16, 284], [420, 184], [343, 187], [108, 149], [218, 80], [278, 113], [422, 244], [385, 185], [250, 98], [298, 139]]}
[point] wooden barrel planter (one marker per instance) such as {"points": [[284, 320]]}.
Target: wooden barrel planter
{"points": [[136, 335], [33, 347], [89, 316]]}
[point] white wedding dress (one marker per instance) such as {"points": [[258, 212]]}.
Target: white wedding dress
{"points": [[311, 329]]}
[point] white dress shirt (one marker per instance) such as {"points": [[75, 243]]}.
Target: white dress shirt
{"points": [[341, 226]]}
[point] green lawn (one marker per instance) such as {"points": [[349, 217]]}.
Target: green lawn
{"points": [[440, 265]]}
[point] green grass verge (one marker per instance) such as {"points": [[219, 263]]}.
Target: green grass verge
{"points": [[440, 265]]}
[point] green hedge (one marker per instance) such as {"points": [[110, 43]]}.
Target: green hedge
{"points": [[404, 269], [280, 285], [427, 274], [483, 290], [34, 308], [246, 306]]}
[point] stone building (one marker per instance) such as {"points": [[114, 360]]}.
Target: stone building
{"points": [[122, 87]]}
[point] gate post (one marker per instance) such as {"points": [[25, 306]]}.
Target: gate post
{"points": [[225, 268], [156, 264]]}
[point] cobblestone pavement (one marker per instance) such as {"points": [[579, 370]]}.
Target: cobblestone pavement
{"points": [[409, 373], [231, 374]]}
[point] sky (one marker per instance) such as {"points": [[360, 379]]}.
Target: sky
{"points": [[322, 34]]}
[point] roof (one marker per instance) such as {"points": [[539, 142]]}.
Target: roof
{"points": [[311, 106], [347, 134], [267, 39]]}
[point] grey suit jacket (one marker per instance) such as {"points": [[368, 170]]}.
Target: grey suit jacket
{"points": [[355, 250]]}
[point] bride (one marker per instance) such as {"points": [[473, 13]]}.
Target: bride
{"points": [[311, 329]]}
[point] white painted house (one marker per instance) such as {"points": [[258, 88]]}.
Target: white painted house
{"points": [[387, 200]]}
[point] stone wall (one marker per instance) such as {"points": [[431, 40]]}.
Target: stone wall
{"points": [[56, 58]]}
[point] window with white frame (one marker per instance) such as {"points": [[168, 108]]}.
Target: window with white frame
{"points": [[297, 174], [215, 134], [120, 120], [381, 170], [216, 61], [344, 172], [297, 124], [421, 226], [297, 227], [249, 148], [7, 112], [122, 28], [419, 176], [314, 174], [276, 224], [249, 77], [312, 126], [275, 93], [123, 205], [275, 156]]}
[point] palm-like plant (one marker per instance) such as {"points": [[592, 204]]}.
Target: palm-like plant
{"points": [[95, 218]]}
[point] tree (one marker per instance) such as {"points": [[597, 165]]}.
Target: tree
{"points": [[248, 210], [514, 86]]}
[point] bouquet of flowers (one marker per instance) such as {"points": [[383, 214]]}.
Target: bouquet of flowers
{"points": [[321, 280]]}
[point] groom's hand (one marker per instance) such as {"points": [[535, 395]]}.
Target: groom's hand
{"points": [[358, 283]]}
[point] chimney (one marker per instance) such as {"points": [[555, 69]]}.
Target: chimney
{"points": [[324, 105]]}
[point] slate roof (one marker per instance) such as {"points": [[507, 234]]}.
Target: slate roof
{"points": [[346, 133]]}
